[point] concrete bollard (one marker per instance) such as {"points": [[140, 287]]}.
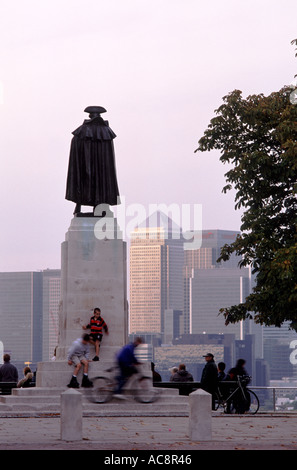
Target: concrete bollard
{"points": [[71, 415], [200, 426]]}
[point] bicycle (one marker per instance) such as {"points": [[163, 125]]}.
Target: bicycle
{"points": [[140, 386], [240, 400]]}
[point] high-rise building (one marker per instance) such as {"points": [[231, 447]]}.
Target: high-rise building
{"points": [[156, 280], [21, 315], [206, 256], [29, 303], [210, 286], [278, 345], [211, 290], [51, 303]]}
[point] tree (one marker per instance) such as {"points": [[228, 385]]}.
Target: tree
{"points": [[295, 42], [258, 136]]}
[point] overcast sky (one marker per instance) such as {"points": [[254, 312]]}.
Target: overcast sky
{"points": [[160, 68]]}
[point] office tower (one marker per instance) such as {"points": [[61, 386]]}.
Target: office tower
{"points": [[21, 315], [212, 289], [206, 256], [210, 286], [29, 304], [156, 282], [51, 303], [278, 346]]}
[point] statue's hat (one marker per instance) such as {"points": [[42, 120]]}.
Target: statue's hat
{"points": [[95, 109]]}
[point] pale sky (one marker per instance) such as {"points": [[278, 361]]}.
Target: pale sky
{"points": [[160, 68]]}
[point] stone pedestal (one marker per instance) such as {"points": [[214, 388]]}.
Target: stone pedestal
{"points": [[93, 274]]}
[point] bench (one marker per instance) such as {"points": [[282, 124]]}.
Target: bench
{"points": [[185, 388], [6, 387]]}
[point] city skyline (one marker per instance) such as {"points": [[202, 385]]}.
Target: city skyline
{"points": [[37, 302]]}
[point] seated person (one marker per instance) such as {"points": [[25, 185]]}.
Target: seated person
{"points": [[27, 379]]}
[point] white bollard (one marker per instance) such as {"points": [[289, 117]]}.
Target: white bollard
{"points": [[71, 415], [200, 426]]}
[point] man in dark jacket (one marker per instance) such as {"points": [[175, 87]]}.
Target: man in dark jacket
{"points": [[209, 377], [8, 372], [182, 375]]}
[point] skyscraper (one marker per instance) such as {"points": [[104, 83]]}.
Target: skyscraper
{"points": [[21, 315], [51, 294], [156, 282], [210, 285], [211, 290], [29, 303]]}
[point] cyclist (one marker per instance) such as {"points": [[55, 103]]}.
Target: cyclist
{"points": [[127, 361]]}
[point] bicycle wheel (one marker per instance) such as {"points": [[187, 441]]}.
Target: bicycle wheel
{"points": [[217, 401], [230, 407], [102, 390], [254, 403], [145, 392]]}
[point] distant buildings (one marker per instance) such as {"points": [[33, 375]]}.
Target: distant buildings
{"points": [[51, 297], [278, 345], [156, 282], [182, 289], [176, 292], [29, 303]]}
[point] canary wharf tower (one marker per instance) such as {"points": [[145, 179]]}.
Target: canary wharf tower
{"points": [[156, 282]]}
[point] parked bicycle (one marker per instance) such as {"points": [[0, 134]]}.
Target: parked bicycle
{"points": [[138, 385], [239, 399]]}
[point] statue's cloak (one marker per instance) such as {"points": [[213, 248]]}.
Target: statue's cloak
{"points": [[91, 178]]}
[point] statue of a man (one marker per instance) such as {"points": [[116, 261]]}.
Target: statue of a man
{"points": [[91, 178]]}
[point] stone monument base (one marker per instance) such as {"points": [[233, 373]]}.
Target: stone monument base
{"points": [[58, 373], [93, 274]]}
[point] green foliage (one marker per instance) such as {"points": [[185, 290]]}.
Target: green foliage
{"points": [[258, 137], [295, 42]]}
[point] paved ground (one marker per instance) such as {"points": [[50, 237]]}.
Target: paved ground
{"points": [[259, 432]]}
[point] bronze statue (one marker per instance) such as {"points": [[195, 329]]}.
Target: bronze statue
{"points": [[91, 178]]}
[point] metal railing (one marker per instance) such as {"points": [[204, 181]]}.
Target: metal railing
{"points": [[267, 395], [264, 401]]}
